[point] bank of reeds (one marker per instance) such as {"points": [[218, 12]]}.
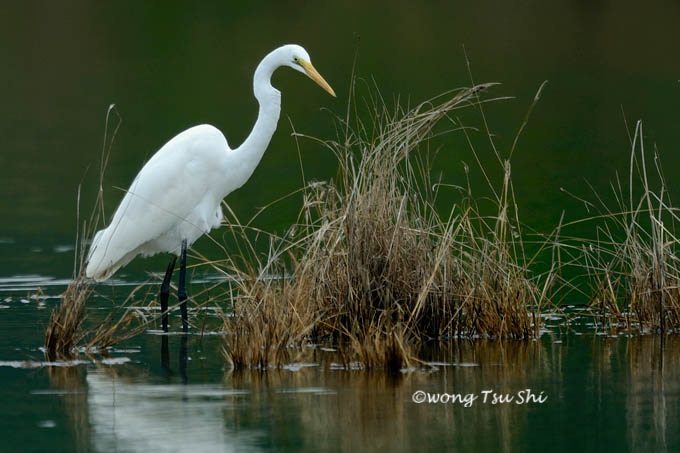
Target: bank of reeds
{"points": [[372, 266], [632, 264]]}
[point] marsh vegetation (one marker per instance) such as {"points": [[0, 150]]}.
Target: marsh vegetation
{"points": [[375, 266]]}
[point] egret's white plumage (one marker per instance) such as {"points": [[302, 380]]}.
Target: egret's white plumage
{"points": [[176, 196]]}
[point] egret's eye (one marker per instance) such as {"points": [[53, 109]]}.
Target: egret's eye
{"points": [[295, 59]]}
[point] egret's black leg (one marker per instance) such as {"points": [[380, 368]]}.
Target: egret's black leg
{"points": [[165, 356], [183, 359], [165, 293], [182, 289]]}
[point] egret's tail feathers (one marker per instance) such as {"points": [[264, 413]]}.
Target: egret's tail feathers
{"points": [[104, 259], [101, 274]]}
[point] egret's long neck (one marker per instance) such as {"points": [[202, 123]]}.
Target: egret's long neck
{"points": [[250, 152]]}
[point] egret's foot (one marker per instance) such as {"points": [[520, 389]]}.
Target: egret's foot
{"points": [[165, 293], [182, 289], [165, 356]]}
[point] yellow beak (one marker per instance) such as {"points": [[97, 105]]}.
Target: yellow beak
{"points": [[313, 74]]}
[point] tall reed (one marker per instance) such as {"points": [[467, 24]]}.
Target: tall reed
{"points": [[66, 330], [632, 265]]}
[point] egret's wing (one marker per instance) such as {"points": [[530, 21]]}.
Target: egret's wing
{"points": [[162, 196]]}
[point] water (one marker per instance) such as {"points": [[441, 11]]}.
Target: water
{"points": [[170, 68], [589, 390]]}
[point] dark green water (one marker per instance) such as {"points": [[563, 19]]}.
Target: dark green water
{"points": [[168, 68]]}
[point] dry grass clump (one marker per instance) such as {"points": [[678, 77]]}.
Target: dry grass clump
{"points": [[67, 332], [64, 330], [372, 264], [260, 334], [633, 265]]}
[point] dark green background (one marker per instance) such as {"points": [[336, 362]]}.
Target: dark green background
{"points": [[168, 68]]}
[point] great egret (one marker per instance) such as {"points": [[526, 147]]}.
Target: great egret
{"points": [[176, 196]]}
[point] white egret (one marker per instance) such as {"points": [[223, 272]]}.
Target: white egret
{"points": [[176, 196]]}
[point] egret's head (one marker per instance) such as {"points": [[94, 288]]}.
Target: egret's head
{"points": [[298, 59]]}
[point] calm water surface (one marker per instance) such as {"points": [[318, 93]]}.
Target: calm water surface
{"points": [[168, 68], [175, 393]]}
